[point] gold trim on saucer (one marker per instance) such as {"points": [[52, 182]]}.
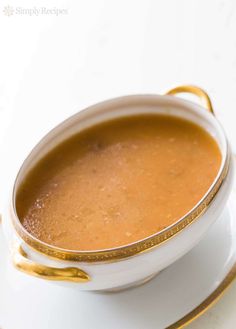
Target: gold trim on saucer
{"points": [[115, 254], [22, 262], [207, 303]]}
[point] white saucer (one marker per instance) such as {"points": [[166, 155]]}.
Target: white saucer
{"points": [[171, 300]]}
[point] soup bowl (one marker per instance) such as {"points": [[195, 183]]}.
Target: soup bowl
{"points": [[121, 267]]}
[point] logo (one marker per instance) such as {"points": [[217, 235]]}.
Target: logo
{"points": [[8, 11], [34, 11]]}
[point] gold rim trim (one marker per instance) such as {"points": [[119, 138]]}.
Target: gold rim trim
{"points": [[208, 302], [22, 262], [129, 250], [197, 91], [115, 254]]}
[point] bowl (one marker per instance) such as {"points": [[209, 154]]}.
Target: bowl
{"points": [[122, 267]]}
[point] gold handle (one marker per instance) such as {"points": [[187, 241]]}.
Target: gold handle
{"points": [[24, 264], [195, 91]]}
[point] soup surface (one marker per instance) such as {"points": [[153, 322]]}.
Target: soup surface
{"points": [[118, 182]]}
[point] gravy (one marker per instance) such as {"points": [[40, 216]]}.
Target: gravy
{"points": [[118, 182]]}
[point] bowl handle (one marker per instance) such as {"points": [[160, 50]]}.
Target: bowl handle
{"points": [[22, 262], [195, 91]]}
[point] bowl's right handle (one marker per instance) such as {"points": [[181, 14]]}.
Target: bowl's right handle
{"points": [[195, 91], [22, 262]]}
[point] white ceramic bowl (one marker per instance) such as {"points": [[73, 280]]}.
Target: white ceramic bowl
{"points": [[117, 268]]}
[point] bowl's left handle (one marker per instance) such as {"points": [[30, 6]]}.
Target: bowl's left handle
{"points": [[22, 262], [197, 91]]}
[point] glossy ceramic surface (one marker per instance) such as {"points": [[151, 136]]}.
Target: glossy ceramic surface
{"points": [[128, 265]]}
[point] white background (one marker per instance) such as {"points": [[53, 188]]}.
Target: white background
{"points": [[51, 66]]}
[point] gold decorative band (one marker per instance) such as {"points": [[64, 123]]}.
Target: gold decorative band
{"points": [[129, 250]]}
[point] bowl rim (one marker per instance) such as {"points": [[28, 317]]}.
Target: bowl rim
{"points": [[137, 247]]}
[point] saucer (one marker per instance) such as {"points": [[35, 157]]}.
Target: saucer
{"points": [[171, 300]]}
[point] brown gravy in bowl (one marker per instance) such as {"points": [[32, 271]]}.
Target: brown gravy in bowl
{"points": [[118, 182]]}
